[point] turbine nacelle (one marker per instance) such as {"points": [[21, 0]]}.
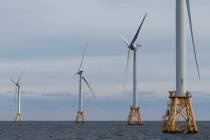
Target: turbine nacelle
{"points": [[80, 72], [18, 85], [135, 46]]}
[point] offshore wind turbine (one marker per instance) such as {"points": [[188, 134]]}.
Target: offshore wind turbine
{"points": [[80, 73], [17, 84], [132, 46], [180, 100]]}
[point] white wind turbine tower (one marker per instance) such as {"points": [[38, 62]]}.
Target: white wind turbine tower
{"points": [[134, 109], [180, 102], [80, 112], [17, 84]]}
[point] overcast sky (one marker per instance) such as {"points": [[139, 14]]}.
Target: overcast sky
{"points": [[46, 38]]}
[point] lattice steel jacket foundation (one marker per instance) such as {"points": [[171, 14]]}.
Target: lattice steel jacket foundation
{"points": [[18, 118], [179, 108], [79, 117]]}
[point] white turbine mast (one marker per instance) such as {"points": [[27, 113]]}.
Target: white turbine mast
{"points": [[182, 10]]}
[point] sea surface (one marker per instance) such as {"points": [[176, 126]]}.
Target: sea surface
{"points": [[44, 130]]}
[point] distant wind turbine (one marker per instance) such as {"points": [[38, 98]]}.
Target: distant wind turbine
{"points": [[80, 112], [132, 46], [17, 84]]}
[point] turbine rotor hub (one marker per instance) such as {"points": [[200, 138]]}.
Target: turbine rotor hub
{"points": [[80, 72]]}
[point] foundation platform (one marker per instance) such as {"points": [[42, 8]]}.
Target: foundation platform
{"points": [[179, 117], [18, 118], [79, 117], [135, 116]]}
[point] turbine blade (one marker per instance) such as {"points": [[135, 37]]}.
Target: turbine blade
{"points": [[21, 74], [88, 86], [84, 52], [12, 81], [137, 33], [70, 76], [126, 71], [192, 37], [125, 40]]}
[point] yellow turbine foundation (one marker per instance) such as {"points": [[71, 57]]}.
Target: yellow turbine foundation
{"points": [[79, 117], [179, 108], [18, 117], [135, 116]]}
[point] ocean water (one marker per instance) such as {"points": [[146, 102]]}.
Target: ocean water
{"points": [[94, 131]]}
